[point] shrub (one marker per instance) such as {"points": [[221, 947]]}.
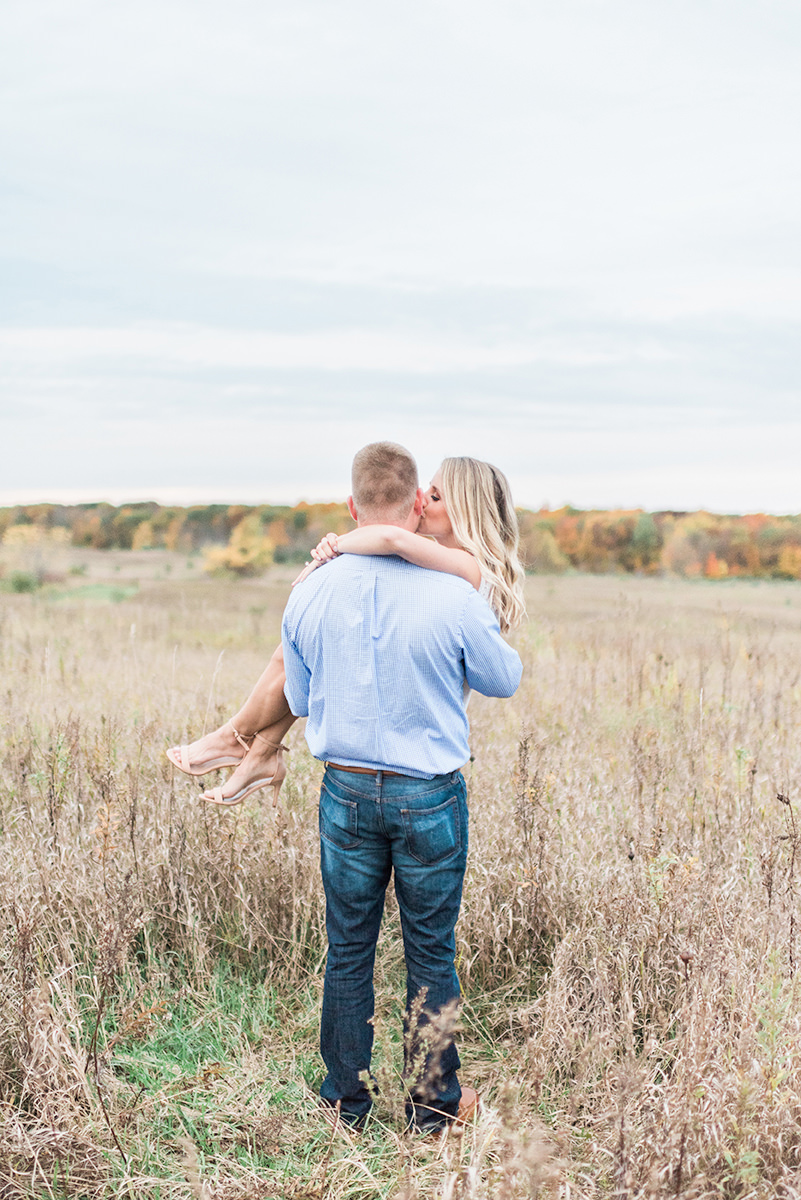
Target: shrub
{"points": [[23, 581]]}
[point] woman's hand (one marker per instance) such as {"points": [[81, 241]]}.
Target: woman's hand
{"points": [[326, 549], [305, 573]]}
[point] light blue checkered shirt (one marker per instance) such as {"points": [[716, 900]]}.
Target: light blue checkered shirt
{"points": [[377, 652]]}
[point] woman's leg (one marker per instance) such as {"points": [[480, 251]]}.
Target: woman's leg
{"points": [[265, 715], [264, 708], [266, 704], [260, 762]]}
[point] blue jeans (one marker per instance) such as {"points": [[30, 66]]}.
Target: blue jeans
{"points": [[370, 826]]}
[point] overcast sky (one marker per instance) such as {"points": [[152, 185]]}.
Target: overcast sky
{"points": [[239, 240]]}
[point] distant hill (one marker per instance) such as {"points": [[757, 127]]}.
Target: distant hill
{"points": [[244, 539]]}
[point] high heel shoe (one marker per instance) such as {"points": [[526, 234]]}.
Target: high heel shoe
{"points": [[215, 796], [179, 757]]}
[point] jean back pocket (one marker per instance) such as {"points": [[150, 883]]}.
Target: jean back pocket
{"points": [[339, 820], [434, 834]]}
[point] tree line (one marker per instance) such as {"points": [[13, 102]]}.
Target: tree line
{"points": [[245, 539]]}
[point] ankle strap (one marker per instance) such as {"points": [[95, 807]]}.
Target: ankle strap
{"points": [[244, 742], [272, 745]]}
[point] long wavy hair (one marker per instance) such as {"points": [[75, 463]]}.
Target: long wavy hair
{"points": [[479, 503]]}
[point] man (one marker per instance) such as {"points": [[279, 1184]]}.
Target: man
{"points": [[377, 652]]}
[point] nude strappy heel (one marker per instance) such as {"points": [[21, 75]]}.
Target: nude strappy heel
{"points": [[215, 796], [179, 757]]}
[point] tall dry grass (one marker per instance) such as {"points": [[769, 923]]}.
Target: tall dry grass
{"points": [[629, 943]]}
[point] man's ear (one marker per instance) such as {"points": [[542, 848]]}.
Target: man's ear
{"points": [[352, 509], [419, 502]]}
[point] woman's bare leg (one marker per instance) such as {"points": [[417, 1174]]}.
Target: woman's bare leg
{"points": [[261, 760], [266, 713], [265, 707], [266, 704]]}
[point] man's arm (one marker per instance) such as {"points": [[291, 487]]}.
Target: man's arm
{"points": [[296, 688], [491, 666]]}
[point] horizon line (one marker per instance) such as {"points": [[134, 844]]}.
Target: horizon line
{"points": [[253, 498]]}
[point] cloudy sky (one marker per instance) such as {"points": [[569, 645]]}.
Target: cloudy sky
{"points": [[239, 240]]}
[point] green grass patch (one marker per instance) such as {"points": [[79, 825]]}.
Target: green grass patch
{"points": [[192, 1036], [95, 593]]}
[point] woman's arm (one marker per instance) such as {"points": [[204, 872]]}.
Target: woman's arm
{"points": [[390, 539]]}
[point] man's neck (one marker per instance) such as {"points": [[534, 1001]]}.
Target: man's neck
{"points": [[365, 524], [410, 524]]}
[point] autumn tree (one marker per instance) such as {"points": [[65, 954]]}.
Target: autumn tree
{"points": [[249, 550]]}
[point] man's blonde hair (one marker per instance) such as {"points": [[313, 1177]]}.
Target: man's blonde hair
{"points": [[384, 481]]}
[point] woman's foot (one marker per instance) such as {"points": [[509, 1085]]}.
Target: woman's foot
{"points": [[223, 747], [262, 766]]}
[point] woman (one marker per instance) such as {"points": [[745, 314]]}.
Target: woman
{"points": [[470, 517]]}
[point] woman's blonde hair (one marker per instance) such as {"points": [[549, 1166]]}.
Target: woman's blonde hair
{"points": [[479, 503]]}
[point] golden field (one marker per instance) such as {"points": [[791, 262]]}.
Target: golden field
{"points": [[629, 942]]}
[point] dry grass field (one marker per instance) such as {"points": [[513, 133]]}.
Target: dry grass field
{"points": [[629, 944]]}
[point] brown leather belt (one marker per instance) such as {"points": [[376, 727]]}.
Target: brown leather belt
{"points": [[364, 770]]}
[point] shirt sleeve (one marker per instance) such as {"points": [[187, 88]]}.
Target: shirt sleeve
{"points": [[491, 666], [298, 676]]}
